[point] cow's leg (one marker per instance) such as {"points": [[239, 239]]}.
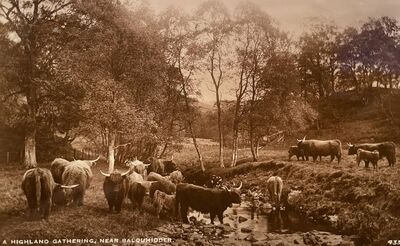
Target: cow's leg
{"points": [[110, 205], [32, 207], [46, 207], [117, 206], [158, 208], [315, 158], [212, 216], [221, 217], [332, 157], [81, 198], [184, 211]]}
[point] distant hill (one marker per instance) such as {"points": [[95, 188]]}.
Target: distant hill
{"points": [[205, 107]]}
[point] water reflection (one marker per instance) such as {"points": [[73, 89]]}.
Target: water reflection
{"points": [[256, 221]]}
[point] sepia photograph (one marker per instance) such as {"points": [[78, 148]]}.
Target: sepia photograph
{"points": [[200, 122]]}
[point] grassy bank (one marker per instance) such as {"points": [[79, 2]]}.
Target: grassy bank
{"points": [[366, 202]]}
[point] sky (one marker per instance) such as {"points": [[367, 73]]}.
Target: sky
{"points": [[293, 16]]}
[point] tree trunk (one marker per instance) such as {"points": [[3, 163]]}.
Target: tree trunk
{"points": [[196, 146], [220, 133], [111, 150], [31, 129], [30, 148], [252, 144], [257, 148], [235, 147], [163, 150]]}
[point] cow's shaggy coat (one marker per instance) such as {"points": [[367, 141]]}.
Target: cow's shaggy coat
{"points": [[163, 201], [115, 186], [205, 200]]}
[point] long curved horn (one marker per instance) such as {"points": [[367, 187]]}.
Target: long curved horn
{"points": [[125, 173], [240, 186], [304, 138], [69, 186], [95, 159], [105, 174], [146, 165]]}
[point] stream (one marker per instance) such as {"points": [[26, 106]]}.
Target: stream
{"points": [[246, 224]]}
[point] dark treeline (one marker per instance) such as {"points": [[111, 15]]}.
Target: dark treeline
{"points": [[125, 77]]}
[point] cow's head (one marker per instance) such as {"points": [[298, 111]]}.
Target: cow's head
{"points": [[146, 186], [352, 149], [233, 195], [137, 166], [117, 179], [60, 195], [300, 142]]}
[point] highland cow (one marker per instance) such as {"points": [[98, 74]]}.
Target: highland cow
{"points": [[205, 200], [41, 190], [115, 188]]}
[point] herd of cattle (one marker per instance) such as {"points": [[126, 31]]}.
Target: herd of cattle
{"points": [[367, 152], [66, 182]]}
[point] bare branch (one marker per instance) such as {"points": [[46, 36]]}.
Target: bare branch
{"points": [[122, 145]]}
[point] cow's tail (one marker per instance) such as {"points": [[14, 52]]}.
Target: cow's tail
{"points": [[38, 188]]}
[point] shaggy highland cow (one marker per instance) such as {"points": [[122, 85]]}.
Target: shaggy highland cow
{"points": [[205, 200], [115, 188], [41, 190]]}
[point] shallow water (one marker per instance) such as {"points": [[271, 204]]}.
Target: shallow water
{"points": [[257, 222]]}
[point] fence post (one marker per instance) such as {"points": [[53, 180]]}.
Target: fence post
{"points": [[8, 158]]}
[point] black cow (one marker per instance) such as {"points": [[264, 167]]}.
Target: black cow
{"points": [[386, 149], [115, 188], [294, 150], [205, 200]]}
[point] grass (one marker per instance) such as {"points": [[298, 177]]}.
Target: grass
{"points": [[89, 221]]}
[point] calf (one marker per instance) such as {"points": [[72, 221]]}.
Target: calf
{"points": [[164, 201], [40, 190], [367, 157], [294, 150], [386, 149], [275, 186]]}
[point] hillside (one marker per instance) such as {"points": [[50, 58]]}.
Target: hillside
{"points": [[351, 117]]}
